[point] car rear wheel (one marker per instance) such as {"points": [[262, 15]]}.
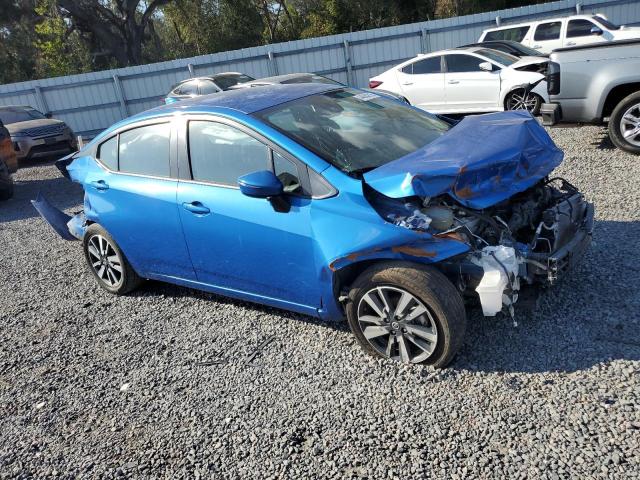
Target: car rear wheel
{"points": [[408, 313], [521, 100], [6, 182], [624, 124], [107, 262]]}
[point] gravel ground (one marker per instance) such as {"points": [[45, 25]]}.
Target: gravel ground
{"points": [[97, 386]]}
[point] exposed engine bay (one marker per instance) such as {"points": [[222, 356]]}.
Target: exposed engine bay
{"points": [[527, 239]]}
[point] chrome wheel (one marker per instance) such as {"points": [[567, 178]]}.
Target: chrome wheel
{"points": [[630, 125], [105, 261], [521, 100], [397, 324]]}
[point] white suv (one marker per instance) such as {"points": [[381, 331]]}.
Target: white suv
{"points": [[547, 35]]}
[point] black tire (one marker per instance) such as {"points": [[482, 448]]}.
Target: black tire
{"points": [[430, 287], [128, 279], [6, 182], [535, 98], [615, 127]]}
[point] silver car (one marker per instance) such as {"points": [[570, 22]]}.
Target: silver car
{"points": [[35, 135]]}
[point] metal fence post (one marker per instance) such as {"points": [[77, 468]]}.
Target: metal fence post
{"points": [[192, 72], [578, 8], [121, 98], [347, 63], [273, 65], [498, 21], [41, 100], [425, 42]]}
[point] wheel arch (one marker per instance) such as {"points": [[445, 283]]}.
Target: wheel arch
{"points": [[616, 95]]}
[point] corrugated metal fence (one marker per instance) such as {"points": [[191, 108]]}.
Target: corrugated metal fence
{"points": [[91, 102]]}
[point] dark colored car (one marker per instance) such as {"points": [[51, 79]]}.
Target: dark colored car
{"points": [[36, 135], [194, 87], [8, 164], [507, 46], [328, 201]]}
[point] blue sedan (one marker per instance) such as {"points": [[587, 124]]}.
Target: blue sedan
{"points": [[330, 201]]}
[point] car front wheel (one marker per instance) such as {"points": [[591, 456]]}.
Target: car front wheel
{"points": [[408, 313], [522, 100], [107, 262], [624, 124]]}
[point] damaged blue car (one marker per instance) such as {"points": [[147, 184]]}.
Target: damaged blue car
{"points": [[330, 201]]}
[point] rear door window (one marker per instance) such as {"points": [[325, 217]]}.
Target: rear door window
{"points": [[108, 153], [145, 150], [207, 87], [516, 34], [426, 66], [187, 88], [220, 153], [548, 31]]}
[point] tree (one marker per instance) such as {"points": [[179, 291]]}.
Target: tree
{"points": [[118, 26]]}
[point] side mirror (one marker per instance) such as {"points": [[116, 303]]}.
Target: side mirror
{"points": [[596, 31], [262, 184], [48, 115], [486, 66]]}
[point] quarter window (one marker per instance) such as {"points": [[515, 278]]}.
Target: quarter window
{"points": [[220, 153], [516, 34], [579, 28], [428, 65], [463, 63], [108, 153], [145, 150], [287, 172], [548, 31]]}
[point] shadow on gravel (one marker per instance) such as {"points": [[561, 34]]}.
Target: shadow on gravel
{"points": [[602, 141], [588, 318], [60, 191]]}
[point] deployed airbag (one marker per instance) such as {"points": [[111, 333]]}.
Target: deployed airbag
{"points": [[481, 161]]}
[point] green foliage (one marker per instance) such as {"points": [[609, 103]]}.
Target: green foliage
{"points": [[43, 38]]}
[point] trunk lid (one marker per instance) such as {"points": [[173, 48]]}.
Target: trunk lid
{"points": [[480, 162]]}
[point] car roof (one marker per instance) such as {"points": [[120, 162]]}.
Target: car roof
{"points": [[245, 101], [280, 78], [16, 107], [208, 77]]}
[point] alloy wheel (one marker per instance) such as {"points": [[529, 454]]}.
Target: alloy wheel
{"points": [[630, 125], [105, 261], [397, 324], [522, 100]]}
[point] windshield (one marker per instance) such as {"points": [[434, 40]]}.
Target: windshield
{"points": [[526, 50], [227, 81], [606, 23], [502, 58], [311, 79], [354, 131], [16, 115]]}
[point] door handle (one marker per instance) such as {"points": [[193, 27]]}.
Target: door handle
{"points": [[100, 185], [537, 46], [407, 83], [571, 43], [196, 207], [453, 81]]}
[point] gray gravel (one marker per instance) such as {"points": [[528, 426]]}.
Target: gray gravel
{"points": [[97, 386]]}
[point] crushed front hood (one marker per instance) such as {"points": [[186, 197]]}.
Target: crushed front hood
{"points": [[482, 161], [524, 61]]}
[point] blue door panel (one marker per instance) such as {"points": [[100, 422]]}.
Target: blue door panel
{"points": [[142, 216], [244, 244]]}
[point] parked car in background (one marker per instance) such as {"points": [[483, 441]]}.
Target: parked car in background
{"points": [[293, 78], [549, 34], [8, 164], [193, 87], [468, 80], [507, 46], [327, 200], [35, 135], [596, 83]]}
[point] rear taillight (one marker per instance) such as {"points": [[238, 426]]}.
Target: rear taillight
{"points": [[553, 78], [374, 83]]}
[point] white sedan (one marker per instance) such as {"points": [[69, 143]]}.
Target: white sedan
{"points": [[468, 80]]}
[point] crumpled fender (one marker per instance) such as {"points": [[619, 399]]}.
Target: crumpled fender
{"points": [[480, 162], [430, 250]]}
